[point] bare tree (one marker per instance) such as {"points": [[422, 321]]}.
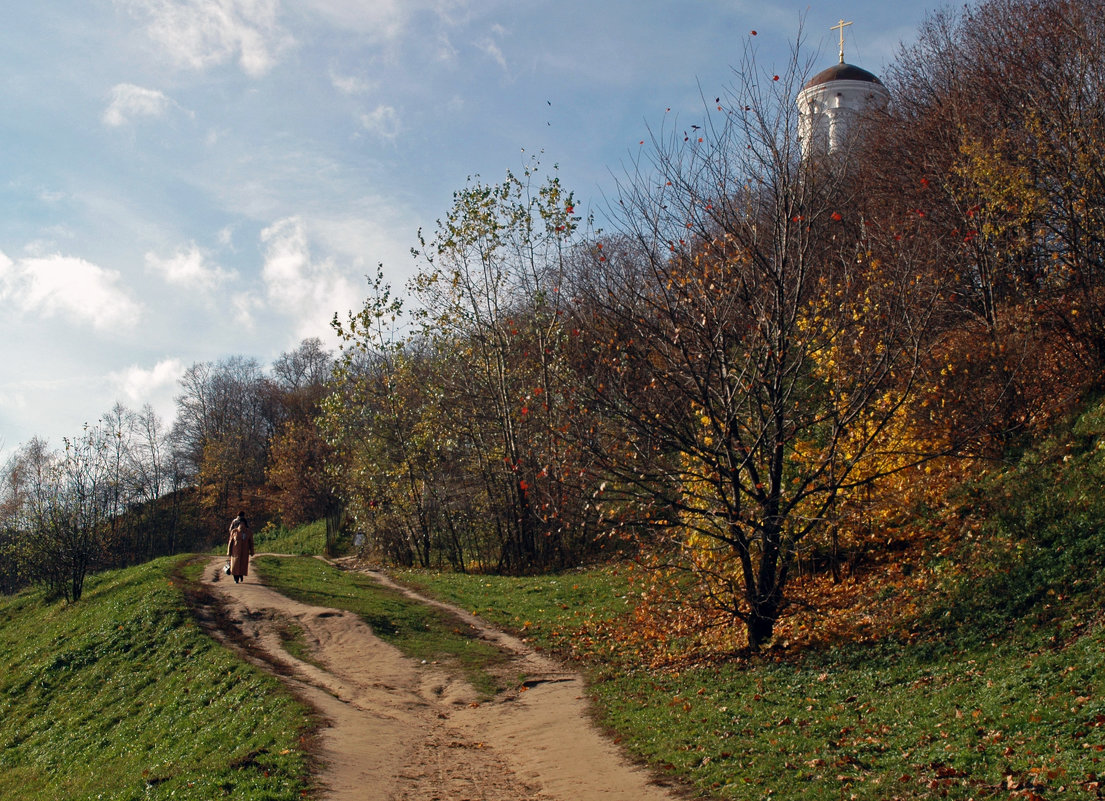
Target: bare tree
{"points": [[221, 432], [751, 354], [66, 500]]}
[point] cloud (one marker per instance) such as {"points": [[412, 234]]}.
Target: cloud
{"points": [[446, 53], [382, 121], [129, 101], [307, 290], [350, 84], [491, 48], [379, 20], [68, 288], [155, 386], [189, 268], [199, 34]]}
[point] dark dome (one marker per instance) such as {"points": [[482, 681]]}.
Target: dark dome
{"points": [[842, 72]]}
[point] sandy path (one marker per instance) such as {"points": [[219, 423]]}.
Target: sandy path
{"points": [[399, 730]]}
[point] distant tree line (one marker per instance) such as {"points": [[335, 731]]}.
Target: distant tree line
{"points": [[129, 488]]}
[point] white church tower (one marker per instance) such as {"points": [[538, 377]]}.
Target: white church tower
{"points": [[832, 99]]}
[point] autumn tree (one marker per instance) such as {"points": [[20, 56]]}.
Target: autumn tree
{"points": [[64, 502], [154, 477], [449, 429], [994, 137], [222, 430], [751, 352], [386, 446], [138, 454], [297, 483], [491, 293]]}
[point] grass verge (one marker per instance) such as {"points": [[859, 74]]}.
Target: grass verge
{"points": [[308, 540], [997, 690], [568, 613], [122, 696], [419, 631]]}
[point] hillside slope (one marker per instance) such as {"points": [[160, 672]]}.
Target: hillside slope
{"points": [[122, 696]]}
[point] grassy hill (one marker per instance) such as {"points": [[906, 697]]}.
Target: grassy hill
{"points": [[122, 696]]}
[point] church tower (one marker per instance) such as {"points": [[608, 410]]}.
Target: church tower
{"points": [[832, 99]]}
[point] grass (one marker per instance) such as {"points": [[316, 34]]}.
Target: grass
{"points": [[998, 691], [555, 612], [306, 540], [293, 639], [421, 632], [122, 696], [887, 725]]}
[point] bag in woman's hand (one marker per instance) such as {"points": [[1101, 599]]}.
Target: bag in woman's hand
{"points": [[226, 568]]}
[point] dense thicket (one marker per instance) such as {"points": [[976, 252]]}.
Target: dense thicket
{"points": [[450, 429], [991, 158]]}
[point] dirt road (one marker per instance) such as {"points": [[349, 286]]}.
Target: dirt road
{"points": [[399, 730]]}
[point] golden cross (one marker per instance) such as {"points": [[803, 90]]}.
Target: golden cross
{"points": [[841, 26]]}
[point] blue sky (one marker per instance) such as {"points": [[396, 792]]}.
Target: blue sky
{"points": [[185, 180]]}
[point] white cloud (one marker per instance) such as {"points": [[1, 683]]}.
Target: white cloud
{"points": [[244, 308], [380, 20], [491, 48], [350, 84], [189, 268], [493, 51], [382, 121], [129, 101], [445, 51], [155, 386], [309, 291], [204, 33], [68, 288]]}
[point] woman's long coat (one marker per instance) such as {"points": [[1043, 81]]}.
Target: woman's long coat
{"points": [[239, 549]]}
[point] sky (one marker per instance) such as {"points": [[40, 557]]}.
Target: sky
{"points": [[187, 180]]}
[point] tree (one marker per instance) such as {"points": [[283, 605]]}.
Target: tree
{"points": [[66, 501], [369, 419], [297, 481], [221, 431], [450, 433], [491, 295], [751, 353], [995, 136]]}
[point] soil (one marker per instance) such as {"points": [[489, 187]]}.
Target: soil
{"points": [[397, 729]]}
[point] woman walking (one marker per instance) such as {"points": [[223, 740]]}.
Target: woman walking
{"points": [[240, 547]]}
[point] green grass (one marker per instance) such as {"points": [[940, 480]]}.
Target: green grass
{"points": [[122, 696], [419, 631], [293, 639], [308, 540], [305, 540], [885, 725], [548, 611], [999, 693]]}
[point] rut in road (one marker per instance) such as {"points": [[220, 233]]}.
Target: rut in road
{"points": [[399, 730]]}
